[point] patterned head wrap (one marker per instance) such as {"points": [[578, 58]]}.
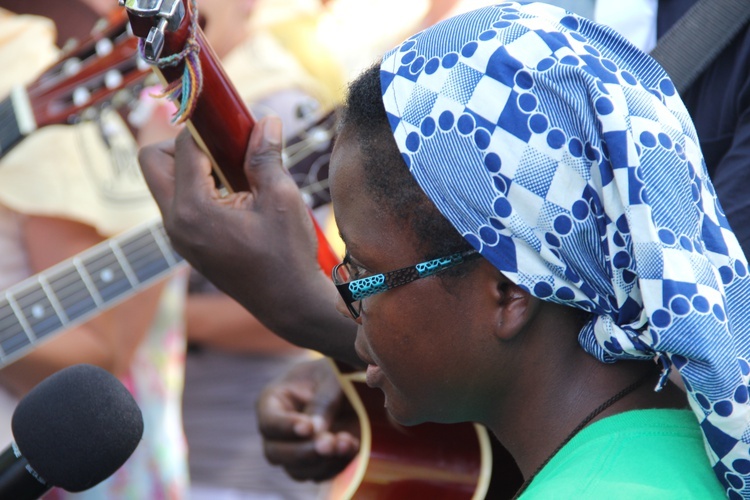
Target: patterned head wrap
{"points": [[564, 155]]}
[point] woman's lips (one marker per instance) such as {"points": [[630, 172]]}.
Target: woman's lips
{"points": [[374, 376]]}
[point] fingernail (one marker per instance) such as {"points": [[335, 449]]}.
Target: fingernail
{"points": [[318, 423], [272, 130], [324, 445], [302, 428], [257, 135]]}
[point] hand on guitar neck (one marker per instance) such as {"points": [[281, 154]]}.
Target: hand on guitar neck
{"points": [[268, 226]]}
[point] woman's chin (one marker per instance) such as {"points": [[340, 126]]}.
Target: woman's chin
{"points": [[401, 414]]}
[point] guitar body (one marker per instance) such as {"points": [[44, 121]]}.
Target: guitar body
{"points": [[435, 461]]}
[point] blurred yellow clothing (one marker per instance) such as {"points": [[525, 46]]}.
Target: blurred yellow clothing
{"points": [[337, 39], [29, 39], [63, 170]]}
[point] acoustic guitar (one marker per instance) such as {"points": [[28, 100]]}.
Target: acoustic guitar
{"points": [[424, 461], [104, 69]]}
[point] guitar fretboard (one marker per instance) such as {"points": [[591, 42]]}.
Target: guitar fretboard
{"points": [[79, 288], [10, 133]]}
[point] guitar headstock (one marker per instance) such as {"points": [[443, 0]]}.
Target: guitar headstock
{"points": [[104, 68], [166, 28]]}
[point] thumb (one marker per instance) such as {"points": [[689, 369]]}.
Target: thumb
{"points": [[263, 159], [325, 404]]}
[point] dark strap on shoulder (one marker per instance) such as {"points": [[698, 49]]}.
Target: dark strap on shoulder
{"points": [[698, 37]]}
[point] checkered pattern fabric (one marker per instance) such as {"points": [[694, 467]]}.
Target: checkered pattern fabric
{"points": [[564, 155]]}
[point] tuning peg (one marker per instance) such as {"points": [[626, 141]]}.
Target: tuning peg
{"points": [[104, 47], [113, 79], [169, 13], [154, 42], [71, 66], [81, 96]]}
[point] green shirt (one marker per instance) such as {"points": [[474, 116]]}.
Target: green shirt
{"points": [[640, 454]]}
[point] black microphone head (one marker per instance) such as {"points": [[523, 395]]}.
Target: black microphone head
{"points": [[77, 427]]}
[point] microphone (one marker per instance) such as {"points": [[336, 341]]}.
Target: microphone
{"points": [[72, 431]]}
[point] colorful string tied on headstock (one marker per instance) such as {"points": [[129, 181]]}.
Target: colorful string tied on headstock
{"points": [[187, 89]]}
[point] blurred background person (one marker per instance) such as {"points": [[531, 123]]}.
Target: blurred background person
{"points": [[64, 189]]}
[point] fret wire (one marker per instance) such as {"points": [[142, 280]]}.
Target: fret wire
{"points": [[162, 231], [56, 290], [56, 306], [37, 308], [130, 248], [147, 257], [22, 110], [147, 265], [68, 284], [166, 249], [73, 294], [111, 282], [103, 262], [21, 317], [123, 263], [140, 254], [86, 277], [6, 322]]}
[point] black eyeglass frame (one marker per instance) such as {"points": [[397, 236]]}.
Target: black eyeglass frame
{"points": [[356, 290]]}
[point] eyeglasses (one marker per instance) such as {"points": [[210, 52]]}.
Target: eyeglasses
{"points": [[354, 291]]}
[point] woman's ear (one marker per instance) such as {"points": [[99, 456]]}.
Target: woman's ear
{"points": [[515, 308]]}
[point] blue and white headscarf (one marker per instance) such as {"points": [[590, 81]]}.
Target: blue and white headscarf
{"points": [[564, 155]]}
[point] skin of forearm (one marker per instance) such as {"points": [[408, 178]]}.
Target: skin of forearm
{"points": [[306, 317]]}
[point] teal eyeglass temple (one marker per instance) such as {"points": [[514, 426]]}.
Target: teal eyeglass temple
{"points": [[354, 291]]}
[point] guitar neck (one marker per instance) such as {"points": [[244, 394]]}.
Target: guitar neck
{"points": [[221, 123], [81, 287]]}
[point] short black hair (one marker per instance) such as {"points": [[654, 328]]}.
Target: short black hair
{"points": [[388, 178]]}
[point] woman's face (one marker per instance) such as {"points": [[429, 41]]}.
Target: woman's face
{"points": [[426, 342]]}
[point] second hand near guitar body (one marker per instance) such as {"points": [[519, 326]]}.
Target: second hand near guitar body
{"points": [[424, 461]]}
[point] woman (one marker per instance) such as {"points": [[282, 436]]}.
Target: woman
{"points": [[562, 156]]}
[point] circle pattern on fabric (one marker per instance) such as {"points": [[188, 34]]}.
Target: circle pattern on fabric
{"points": [[591, 194]]}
